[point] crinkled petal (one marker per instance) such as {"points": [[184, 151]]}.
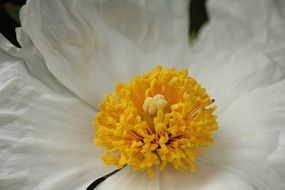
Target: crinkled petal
{"points": [[46, 136], [230, 74], [251, 137], [236, 23], [89, 45], [35, 63], [240, 49], [147, 24]]}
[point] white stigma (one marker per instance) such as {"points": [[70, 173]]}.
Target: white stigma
{"points": [[154, 104]]}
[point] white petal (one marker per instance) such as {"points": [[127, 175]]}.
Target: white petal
{"points": [[240, 49], [88, 46], [277, 158], [236, 23], [46, 137], [147, 24], [207, 177], [230, 74], [127, 179], [35, 63], [250, 133], [241, 26]]}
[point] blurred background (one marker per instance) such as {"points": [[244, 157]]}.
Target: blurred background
{"points": [[9, 18]]}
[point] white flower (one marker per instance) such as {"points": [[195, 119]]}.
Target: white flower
{"points": [[73, 52]]}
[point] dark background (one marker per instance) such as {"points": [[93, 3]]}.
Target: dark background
{"points": [[9, 18]]}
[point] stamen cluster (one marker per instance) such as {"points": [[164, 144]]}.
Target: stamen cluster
{"points": [[163, 117]]}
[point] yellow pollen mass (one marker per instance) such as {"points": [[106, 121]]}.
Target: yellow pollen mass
{"points": [[161, 118]]}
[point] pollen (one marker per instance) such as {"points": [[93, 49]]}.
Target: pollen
{"points": [[161, 118]]}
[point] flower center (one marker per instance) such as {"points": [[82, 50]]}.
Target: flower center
{"points": [[163, 117], [154, 104]]}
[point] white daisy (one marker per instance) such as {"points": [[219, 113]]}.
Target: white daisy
{"points": [[73, 52]]}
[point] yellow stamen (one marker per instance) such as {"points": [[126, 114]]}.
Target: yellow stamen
{"points": [[163, 117]]}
